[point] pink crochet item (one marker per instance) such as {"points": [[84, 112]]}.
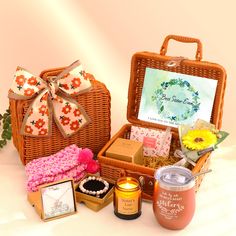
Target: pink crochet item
{"points": [[71, 162]]}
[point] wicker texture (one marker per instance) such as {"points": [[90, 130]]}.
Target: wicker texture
{"points": [[140, 61], [96, 103]]}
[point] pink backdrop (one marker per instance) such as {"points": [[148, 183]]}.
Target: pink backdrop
{"points": [[104, 34]]}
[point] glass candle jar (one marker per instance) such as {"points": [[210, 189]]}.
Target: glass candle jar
{"points": [[174, 197], [127, 198]]}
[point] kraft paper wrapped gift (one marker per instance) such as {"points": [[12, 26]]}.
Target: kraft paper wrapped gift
{"points": [[126, 150], [155, 142]]}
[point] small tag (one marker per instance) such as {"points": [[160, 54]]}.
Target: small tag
{"points": [[202, 152]]}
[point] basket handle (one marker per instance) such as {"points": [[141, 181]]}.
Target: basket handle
{"points": [[182, 39]]}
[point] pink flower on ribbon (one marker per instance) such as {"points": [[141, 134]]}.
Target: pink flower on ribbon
{"points": [[74, 125], [93, 167], [43, 110], [20, 80], [32, 81], [39, 123], [76, 82], [66, 109], [28, 129], [85, 156], [65, 120], [77, 112], [43, 132], [29, 92]]}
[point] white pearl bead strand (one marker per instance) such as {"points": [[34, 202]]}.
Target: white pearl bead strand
{"points": [[97, 193]]}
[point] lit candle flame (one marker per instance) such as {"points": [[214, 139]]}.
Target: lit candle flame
{"points": [[128, 185]]}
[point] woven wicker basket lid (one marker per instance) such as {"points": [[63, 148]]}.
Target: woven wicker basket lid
{"points": [[141, 60]]}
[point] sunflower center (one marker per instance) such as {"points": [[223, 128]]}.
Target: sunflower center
{"points": [[198, 140]]}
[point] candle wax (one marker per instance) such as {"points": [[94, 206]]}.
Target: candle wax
{"points": [[127, 185]]}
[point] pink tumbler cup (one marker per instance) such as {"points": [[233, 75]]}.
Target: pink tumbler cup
{"points": [[174, 197]]}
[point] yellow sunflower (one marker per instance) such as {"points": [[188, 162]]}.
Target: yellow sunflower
{"points": [[199, 139]]}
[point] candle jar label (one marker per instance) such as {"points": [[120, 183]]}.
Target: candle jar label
{"points": [[128, 206]]}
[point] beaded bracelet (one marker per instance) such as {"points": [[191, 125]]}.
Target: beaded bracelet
{"points": [[97, 193]]}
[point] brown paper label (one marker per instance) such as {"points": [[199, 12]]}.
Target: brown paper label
{"points": [[128, 206]]}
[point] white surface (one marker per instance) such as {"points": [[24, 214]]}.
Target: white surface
{"points": [[215, 206], [104, 35]]}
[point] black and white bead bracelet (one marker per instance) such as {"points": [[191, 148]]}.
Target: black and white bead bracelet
{"points": [[94, 181]]}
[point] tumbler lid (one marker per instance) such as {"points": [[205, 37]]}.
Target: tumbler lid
{"points": [[174, 178]]}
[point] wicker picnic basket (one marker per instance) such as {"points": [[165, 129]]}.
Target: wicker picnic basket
{"points": [[95, 102], [112, 168]]}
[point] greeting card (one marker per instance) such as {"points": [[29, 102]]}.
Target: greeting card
{"points": [[172, 99]]}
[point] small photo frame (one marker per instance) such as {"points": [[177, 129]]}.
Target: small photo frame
{"points": [[57, 199]]}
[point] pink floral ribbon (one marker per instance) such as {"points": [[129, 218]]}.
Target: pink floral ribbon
{"points": [[52, 98]]}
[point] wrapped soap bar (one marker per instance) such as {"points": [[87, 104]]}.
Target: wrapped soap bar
{"points": [[126, 150]]}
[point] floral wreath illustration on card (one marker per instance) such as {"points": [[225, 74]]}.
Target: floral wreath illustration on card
{"points": [[191, 106]]}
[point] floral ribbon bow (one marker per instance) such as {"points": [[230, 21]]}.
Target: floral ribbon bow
{"points": [[52, 98]]}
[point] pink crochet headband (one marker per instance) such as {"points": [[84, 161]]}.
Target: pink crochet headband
{"points": [[71, 162]]}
